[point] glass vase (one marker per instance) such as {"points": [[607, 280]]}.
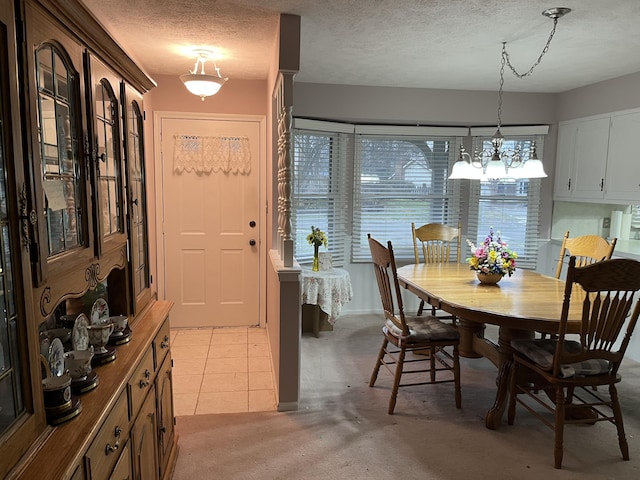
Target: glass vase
{"points": [[316, 265]]}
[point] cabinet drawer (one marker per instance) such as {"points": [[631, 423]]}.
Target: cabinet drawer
{"points": [[123, 470], [140, 382], [104, 450], [161, 344]]}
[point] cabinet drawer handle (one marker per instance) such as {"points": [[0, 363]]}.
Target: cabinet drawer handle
{"points": [[112, 448], [145, 382], [165, 342]]}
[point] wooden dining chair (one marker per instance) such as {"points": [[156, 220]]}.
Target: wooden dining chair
{"points": [[438, 243], [404, 334], [587, 249], [563, 372]]}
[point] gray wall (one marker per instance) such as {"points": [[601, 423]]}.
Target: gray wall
{"points": [[620, 93]]}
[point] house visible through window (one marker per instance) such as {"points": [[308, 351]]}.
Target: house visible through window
{"points": [[401, 179]]}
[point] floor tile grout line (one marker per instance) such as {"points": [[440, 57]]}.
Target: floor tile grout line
{"points": [[248, 391]]}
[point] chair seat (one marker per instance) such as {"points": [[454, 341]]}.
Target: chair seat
{"points": [[423, 329], [541, 351]]}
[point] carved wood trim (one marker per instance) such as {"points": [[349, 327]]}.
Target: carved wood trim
{"points": [[74, 15], [78, 282], [284, 120]]}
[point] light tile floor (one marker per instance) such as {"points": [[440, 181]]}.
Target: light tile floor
{"points": [[222, 370]]}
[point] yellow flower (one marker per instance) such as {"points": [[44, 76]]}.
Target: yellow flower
{"points": [[317, 237]]}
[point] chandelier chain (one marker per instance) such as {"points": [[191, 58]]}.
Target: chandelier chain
{"points": [[506, 57], [502, 62], [506, 60]]}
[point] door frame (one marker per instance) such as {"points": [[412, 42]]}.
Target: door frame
{"points": [[158, 116]]}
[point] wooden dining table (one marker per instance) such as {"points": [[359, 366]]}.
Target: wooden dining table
{"points": [[520, 305]]}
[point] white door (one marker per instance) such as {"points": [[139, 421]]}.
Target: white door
{"points": [[211, 228]]}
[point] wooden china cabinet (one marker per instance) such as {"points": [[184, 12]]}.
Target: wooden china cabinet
{"points": [[73, 223]]}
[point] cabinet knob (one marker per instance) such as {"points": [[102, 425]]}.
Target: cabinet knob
{"points": [[145, 382], [112, 448]]}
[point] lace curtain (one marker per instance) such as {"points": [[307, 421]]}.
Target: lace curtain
{"points": [[204, 154]]}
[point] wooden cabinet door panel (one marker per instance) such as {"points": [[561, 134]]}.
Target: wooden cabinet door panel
{"points": [[144, 440], [164, 390]]}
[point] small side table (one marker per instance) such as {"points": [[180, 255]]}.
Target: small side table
{"points": [[328, 289]]}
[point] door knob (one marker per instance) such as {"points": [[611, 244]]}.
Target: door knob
{"points": [[252, 242]]}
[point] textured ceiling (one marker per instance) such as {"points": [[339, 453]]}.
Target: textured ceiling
{"points": [[452, 44]]}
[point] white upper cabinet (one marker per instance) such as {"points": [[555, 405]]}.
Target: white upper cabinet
{"points": [[623, 162], [590, 161], [596, 161], [564, 160]]}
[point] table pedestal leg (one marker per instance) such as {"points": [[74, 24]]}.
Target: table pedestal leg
{"points": [[469, 331], [494, 415]]}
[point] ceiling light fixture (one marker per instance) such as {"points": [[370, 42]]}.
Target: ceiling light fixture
{"points": [[506, 163], [200, 83]]}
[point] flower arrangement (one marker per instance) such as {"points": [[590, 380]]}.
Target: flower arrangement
{"points": [[316, 238], [492, 256]]}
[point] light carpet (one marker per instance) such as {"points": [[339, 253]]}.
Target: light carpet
{"points": [[342, 430]]}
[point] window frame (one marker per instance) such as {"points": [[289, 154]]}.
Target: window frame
{"points": [[348, 183], [447, 194]]}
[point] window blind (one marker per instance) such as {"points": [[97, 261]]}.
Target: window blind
{"points": [[320, 188], [508, 205], [401, 178]]}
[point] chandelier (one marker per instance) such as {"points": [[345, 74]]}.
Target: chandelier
{"points": [[499, 162], [201, 83]]}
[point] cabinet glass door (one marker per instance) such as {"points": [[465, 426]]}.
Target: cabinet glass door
{"points": [[107, 155], [106, 125], [57, 183], [137, 200], [17, 427], [58, 141]]}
